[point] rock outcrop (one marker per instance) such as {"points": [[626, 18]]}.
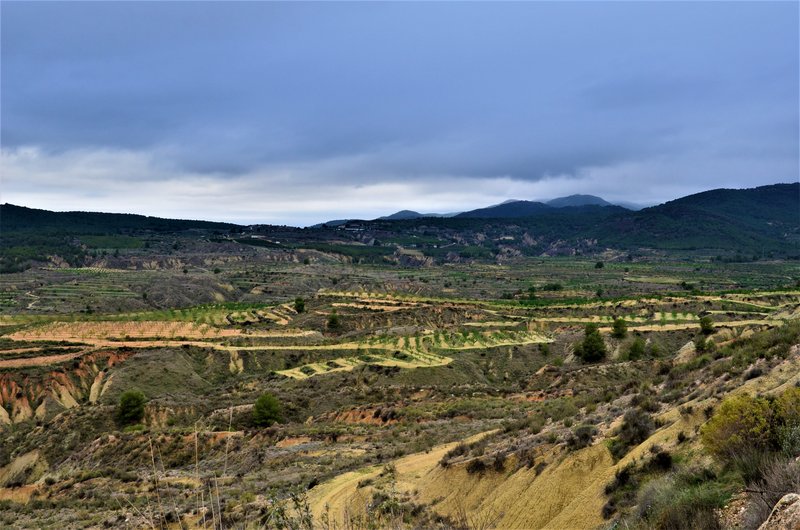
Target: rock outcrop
{"points": [[785, 515]]}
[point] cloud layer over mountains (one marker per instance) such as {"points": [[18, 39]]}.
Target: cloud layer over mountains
{"points": [[297, 113]]}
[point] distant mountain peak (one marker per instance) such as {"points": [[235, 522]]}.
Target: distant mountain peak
{"points": [[508, 209], [578, 200], [402, 214], [411, 214]]}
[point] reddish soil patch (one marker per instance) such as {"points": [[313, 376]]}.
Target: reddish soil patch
{"points": [[368, 415], [291, 442]]}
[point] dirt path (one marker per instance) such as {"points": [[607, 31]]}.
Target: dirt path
{"points": [[14, 351], [695, 325], [44, 360], [347, 364], [35, 299], [341, 495]]}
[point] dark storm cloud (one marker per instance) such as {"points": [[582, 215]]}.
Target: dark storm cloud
{"points": [[396, 93]]}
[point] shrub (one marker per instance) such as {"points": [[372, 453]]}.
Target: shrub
{"points": [[753, 372], [582, 436], [779, 477], [701, 345], [740, 425], [655, 350], [459, 450], [592, 348], [636, 349], [789, 439], [706, 325], [750, 463], [499, 463], [266, 410], [476, 465], [694, 507], [636, 428], [131, 407], [661, 460], [620, 328], [609, 509], [622, 477], [787, 407], [299, 305], [333, 320], [645, 402]]}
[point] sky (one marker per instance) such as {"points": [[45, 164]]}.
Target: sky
{"points": [[297, 113]]}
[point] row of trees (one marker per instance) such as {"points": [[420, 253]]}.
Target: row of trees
{"points": [[593, 348]]}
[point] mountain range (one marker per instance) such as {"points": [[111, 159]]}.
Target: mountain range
{"points": [[762, 222], [507, 209]]}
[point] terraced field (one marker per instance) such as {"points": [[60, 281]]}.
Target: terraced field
{"points": [[423, 350], [475, 326], [414, 351], [74, 288]]}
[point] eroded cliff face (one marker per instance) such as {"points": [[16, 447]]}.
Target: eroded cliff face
{"points": [[37, 394]]}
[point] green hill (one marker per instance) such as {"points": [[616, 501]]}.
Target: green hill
{"points": [[30, 234], [754, 220]]}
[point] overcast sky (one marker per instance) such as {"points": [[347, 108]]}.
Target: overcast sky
{"points": [[296, 113]]}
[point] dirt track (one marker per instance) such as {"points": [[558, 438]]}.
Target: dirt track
{"points": [[341, 495], [44, 360]]}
